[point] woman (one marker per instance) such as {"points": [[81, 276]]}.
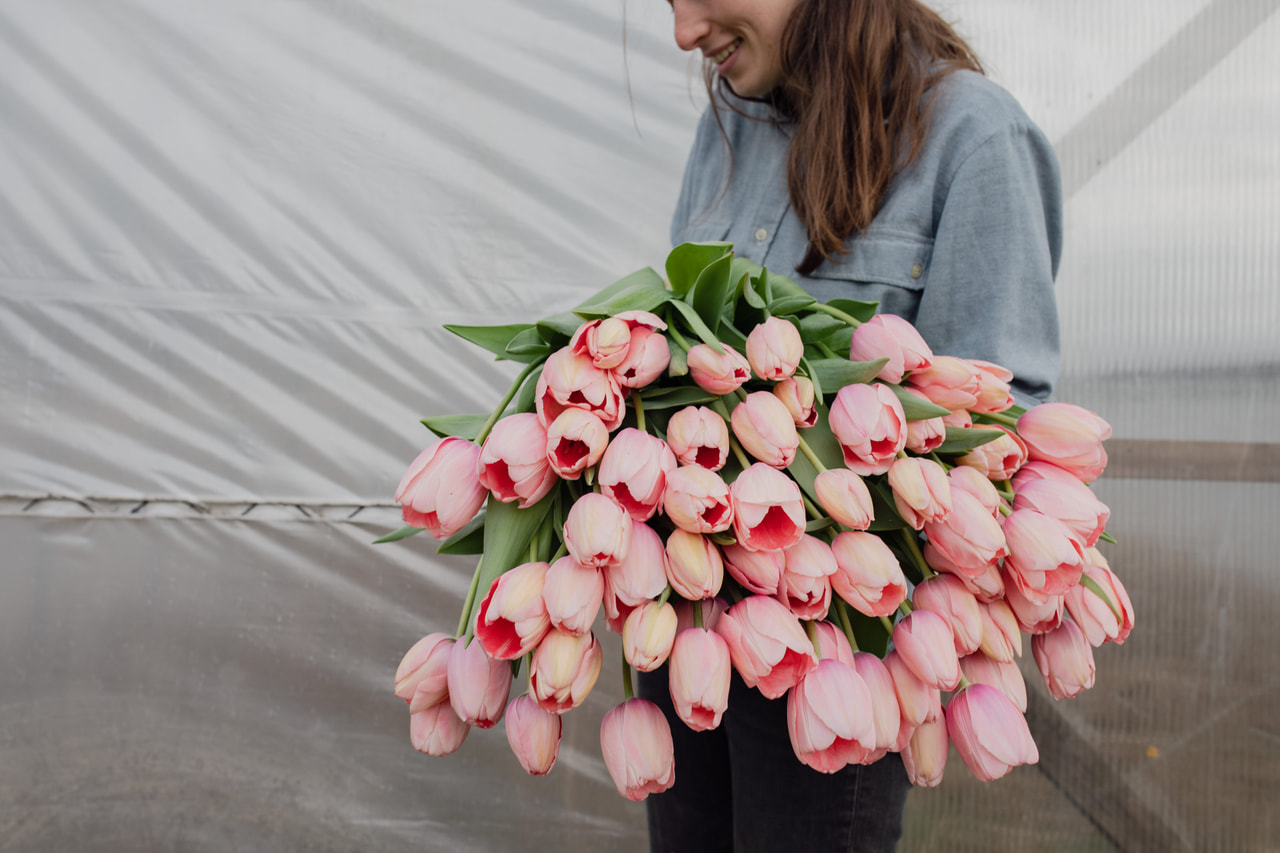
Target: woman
{"points": [[855, 146]]}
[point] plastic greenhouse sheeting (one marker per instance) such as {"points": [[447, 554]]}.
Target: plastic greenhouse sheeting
{"points": [[229, 236]]}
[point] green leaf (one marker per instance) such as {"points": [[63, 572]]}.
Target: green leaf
{"points": [[529, 342], [710, 292], [525, 399], [679, 364], [468, 540], [403, 533], [870, 633], [689, 395], [752, 271], [729, 334], [817, 327], [835, 373], [916, 408], [885, 510], [463, 426], [1106, 537], [557, 329], [643, 290], [507, 533], [806, 367], [960, 440], [493, 338], [824, 445], [789, 304], [855, 308], [1092, 585], [687, 261], [696, 325]]}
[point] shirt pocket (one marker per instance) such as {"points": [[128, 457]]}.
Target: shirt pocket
{"points": [[891, 271], [704, 230]]}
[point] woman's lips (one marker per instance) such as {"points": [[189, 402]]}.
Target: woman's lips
{"points": [[720, 57]]}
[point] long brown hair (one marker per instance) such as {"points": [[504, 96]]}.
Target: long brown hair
{"points": [[855, 74]]}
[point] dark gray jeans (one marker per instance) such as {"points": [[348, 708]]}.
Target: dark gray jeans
{"points": [[741, 788]]}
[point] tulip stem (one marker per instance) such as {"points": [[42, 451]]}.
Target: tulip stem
{"points": [[913, 548], [837, 313], [1000, 419], [1006, 492], [812, 509], [560, 552], [666, 595], [675, 333], [739, 452], [888, 624], [470, 600], [511, 393], [826, 350], [811, 456], [628, 690], [697, 614], [635, 402], [842, 611], [964, 682], [812, 630]]}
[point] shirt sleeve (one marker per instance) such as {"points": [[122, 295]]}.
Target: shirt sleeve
{"points": [[998, 240]]}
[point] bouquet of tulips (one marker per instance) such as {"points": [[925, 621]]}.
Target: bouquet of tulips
{"points": [[744, 478]]}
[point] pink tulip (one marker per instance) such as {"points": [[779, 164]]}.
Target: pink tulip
{"points": [[534, 735], [570, 381], [563, 670], [925, 755], [513, 618], [441, 492], [867, 574], [1004, 676], [758, 571], [1067, 436], [973, 481], [829, 717], [947, 596], [478, 685], [635, 740], [765, 429], [1001, 638], [889, 336], [1073, 503], [718, 373], [921, 490], [633, 471], [832, 643], [597, 531], [573, 594], [648, 634], [768, 512], [949, 382], [640, 577], [768, 647], [697, 500], [924, 642], [436, 730], [426, 662], [870, 425], [886, 713], [919, 701], [774, 349], [926, 436], [999, 459], [605, 341], [969, 539], [698, 436], [575, 441], [647, 359], [986, 587], [958, 419], [1034, 617], [845, 497], [699, 678], [1044, 560], [988, 731], [993, 387], [796, 393], [806, 578], [513, 462], [695, 568], [1065, 659], [1096, 617]]}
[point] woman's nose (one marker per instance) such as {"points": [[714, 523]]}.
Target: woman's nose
{"points": [[691, 24]]}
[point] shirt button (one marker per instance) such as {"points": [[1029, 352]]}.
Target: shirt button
{"points": [[916, 271], [761, 235]]}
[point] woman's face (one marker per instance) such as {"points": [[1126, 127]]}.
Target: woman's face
{"points": [[742, 37]]}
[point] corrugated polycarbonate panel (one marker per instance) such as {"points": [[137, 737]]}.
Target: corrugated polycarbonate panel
{"points": [[229, 235]]}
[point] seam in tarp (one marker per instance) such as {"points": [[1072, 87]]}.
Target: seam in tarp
{"points": [[124, 508]]}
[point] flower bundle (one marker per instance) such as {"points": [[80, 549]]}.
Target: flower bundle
{"points": [[743, 478]]}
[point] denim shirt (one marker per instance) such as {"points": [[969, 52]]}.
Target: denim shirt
{"points": [[965, 246]]}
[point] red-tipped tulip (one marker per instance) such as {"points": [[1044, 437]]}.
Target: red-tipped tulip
{"points": [[635, 740], [575, 441], [563, 670], [768, 647], [806, 578], [534, 735], [633, 471], [513, 461], [870, 426], [698, 436], [571, 381], [478, 685], [699, 678], [697, 500], [867, 573], [441, 492], [512, 617], [718, 372], [597, 531], [768, 512], [990, 734]]}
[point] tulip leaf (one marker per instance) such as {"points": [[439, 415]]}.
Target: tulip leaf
{"points": [[785, 296], [643, 290], [855, 308], [525, 400], [790, 304], [403, 533], [679, 364], [730, 335], [835, 373], [468, 540], [463, 426], [710, 292], [508, 530], [807, 367], [528, 343], [557, 329], [916, 408], [687, 261], [870, 633], [493, 338], [885, 511], [696, 325], [823, 443], [818, 326], [1092, 585], [1107, 537], [962, 440], [690, 395], [752, 284]]}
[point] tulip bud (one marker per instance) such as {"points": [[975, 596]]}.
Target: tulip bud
{"points": [[1067, 436], [719, 373], [605, 341], [806, 578], [647, 635], [441, 492], [1034, 617], [436, 730], [765, 428], [919, 702], [921, 490], [768, 647], [974, 482], [697, 500], [426, 662], [513, 462], [946, 595], [647, 359], [513, 618], [1065, 659], [869, 424], [867, 574], [993, 387], [534, 735], [1044, 560], [699, 678], [563, 670], [969, 540], [774, 349], [478, 685], [1072, 503], [635, 740], [573, 593], [575, 441], [832, 643], [886, 713], [698, 436], [949, 382], [1001, 639], [1004, 676], [1096, 617], [641, 577], [845, 497], [694, 566], [925, 643], [633, 471], [988, 731], [758, 571], [597, 531], [796, 393], [925, 755], [768, 512], [890, 336], [829, 717]]}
